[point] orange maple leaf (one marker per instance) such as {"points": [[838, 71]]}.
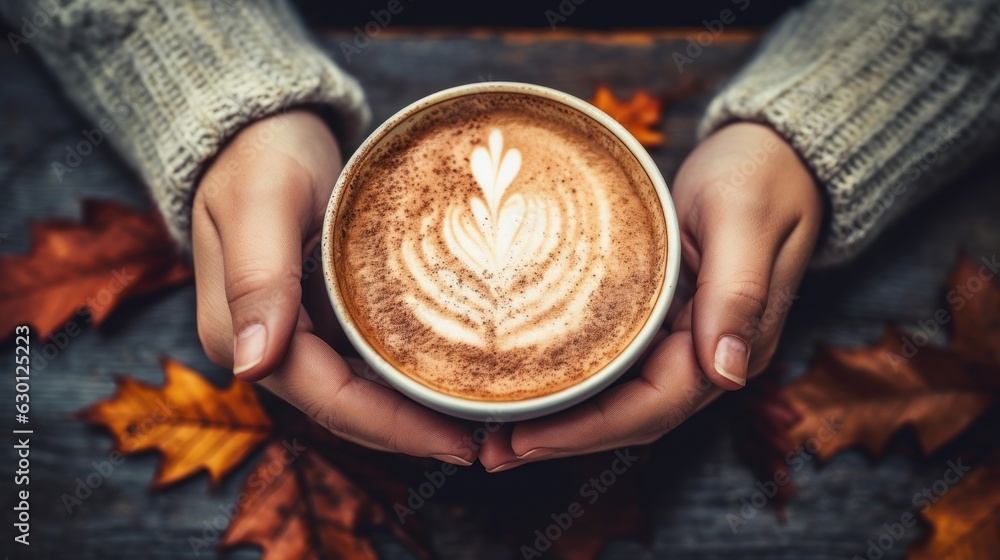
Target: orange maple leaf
{"points": [[296, 505], [639, 115], [966, 520], [875, 391], [114, 253], [191, 422]]}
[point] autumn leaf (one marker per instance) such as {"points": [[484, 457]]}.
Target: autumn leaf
{"points": [[905, 381], [639, 115], [113, 254], [872, 393], [296, 505], [192, 423], [974, 299], [965, 522]]}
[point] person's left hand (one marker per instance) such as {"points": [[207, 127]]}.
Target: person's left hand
{"points": [[750, 214], [262, 307]]}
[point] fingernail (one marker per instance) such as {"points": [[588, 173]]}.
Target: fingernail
{"points": [[537, 453], [250, 345], [453, 459], [732, 358], [505, 466]]}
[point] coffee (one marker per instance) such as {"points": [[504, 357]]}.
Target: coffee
{"points": [[499, 247]]}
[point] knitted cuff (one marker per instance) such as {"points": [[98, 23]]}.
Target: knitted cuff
{"points": [[170, 82], [884, 100]]}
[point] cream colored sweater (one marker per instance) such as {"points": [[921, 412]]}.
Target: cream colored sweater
{"points": [[885, 100], [188, 74]]}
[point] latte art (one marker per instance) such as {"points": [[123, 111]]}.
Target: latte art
{"points": [[499, 247], [506, 239]]}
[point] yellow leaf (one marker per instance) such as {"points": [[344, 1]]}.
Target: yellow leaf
{"points": [[193, 424]]}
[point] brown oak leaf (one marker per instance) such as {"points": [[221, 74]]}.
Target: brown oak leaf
{"points": [[974, 301], [903, 380], [114, 253], [966, 521], [194, 424], [639, 115], [296, 505]]}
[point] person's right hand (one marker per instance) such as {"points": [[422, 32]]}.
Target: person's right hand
{"points": [[257, 214], [750, 214]]}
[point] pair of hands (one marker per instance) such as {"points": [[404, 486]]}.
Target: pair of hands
{"points": [[750, 214]]}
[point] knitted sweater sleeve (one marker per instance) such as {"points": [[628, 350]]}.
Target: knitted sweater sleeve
{"points": [[885, 100], [168, 82]]}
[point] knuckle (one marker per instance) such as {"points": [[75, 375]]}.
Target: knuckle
{"points": [[749, 292], [324, 415], [603, 437], [388, 437], [245, 283], [667, 422]]}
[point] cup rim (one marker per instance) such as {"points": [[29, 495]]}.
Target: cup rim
{"points": [[537, 406]]}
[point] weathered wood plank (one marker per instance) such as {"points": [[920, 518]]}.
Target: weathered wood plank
{"points": [[839, 507]]}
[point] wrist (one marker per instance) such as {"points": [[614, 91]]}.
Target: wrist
{"points": [[765, 161], [297, 144]]}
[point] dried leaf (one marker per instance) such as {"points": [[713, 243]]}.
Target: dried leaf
{"points": [[966, 521], [904, 381], [296, 505], [871, 393], [640, 115], [113, 254], [974, 301], [191, 422]]}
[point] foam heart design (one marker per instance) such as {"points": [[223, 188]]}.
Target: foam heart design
{"points": [[522, 238]]}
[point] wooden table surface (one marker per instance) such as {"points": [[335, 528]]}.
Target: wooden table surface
{"points": [[697, 476]]}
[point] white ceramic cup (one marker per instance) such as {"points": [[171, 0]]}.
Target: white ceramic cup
{"points": [[504, 411]]}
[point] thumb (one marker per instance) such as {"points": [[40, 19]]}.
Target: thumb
{"points": [[731, 297], [261, 239]]}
